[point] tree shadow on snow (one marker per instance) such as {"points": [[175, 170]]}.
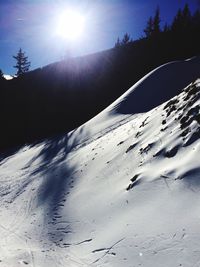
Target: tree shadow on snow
{"points": [[191, 178], [58, 176]]}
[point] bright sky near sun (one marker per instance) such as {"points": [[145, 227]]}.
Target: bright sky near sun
{"points": [[71, 25], [49, 30]]}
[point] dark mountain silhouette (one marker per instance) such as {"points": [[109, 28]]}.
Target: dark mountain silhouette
{"points": [[63, 95]]}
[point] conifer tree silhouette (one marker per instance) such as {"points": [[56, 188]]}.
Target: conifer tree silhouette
{"points": [[22, 64]]}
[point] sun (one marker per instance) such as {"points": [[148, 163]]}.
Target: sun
{"points": [[71, 25]]}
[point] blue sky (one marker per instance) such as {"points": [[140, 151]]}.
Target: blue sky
{"points": [[31, 25]]}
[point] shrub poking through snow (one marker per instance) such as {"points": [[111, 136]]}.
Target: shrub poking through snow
{"points": [[131, 147], [172, 152], [134, 181]]}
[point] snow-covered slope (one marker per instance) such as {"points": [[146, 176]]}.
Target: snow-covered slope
{"points": [[154, 89], [122, 190]]}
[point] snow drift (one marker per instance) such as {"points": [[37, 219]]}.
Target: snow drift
{"points": [[121, 190]]}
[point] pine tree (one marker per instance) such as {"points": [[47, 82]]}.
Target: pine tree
{"points": [[22, 64], [118, 43], [186, 12], [187, 18], [126, 39], [182, 22], [156, 22], [177, 22], [166, 28], [153, 25], [149, 28]]}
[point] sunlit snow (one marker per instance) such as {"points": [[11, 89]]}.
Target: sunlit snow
{"points": [[121, 190]]}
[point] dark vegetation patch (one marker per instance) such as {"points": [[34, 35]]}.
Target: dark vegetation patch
{"points": [[171, 103], [170, 107], [170, 110], [172, 152], [131, 147], [190, 114], [144, 123], [191, 91], [186, 113], [185, 132], [134, 182], [146, 148], [138, 134], [120, 143], [186, 121], [163, 129]]}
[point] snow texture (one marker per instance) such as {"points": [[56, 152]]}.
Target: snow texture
{"points": [[121, 190]]}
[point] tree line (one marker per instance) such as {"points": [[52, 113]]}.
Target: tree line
{"points": [[61, 96], [184, 23]]}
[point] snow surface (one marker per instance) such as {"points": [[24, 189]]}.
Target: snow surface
{"points": [[121, 190], [8, 77]]}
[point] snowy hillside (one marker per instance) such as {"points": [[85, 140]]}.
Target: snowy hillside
{"points": [[121, 190]]}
